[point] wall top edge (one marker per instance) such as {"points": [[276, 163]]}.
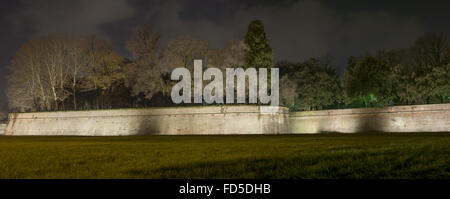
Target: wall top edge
{"points": [[155, 111], [391, 109]]}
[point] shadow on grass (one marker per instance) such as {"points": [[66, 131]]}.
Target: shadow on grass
{"points": [[423, 163]]}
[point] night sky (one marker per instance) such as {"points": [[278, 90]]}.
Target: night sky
{"points": [[297, 30]]}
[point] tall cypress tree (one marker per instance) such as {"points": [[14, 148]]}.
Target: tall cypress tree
{"points": [[258, 53]]}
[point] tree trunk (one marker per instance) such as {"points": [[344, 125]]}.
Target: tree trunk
{"points": [[74, 98], [96, 99], [56, 105]]}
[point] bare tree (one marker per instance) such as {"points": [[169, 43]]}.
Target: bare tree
{"points": [[104, 67], [430, 51], [76, 64], [46, 71], [143, 42], [25, 83], [57, 66], [145, 74], [182, 51], [234, 54]]}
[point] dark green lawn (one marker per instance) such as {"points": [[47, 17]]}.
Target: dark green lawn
{"points": [[411, 155]]}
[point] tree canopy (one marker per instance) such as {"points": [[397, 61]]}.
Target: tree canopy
{"points": [[368, 80], [258, 53], [317, 85]]}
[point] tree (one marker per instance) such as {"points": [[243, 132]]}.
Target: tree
{"points": [[318, 85], [430, 51], [25, 88], [105, 68], [56, 62], [182, 51], [288, 93], [63, 63], [440, 82], [405, 86], [40, 72], [3, 116], [258, 53], [145, 73], [47, 70], [3, 111], [311, 85], [429, 56], [77, 64], [143, 43], [416, 76], [369, 81], [233, 55], [149, 73]]}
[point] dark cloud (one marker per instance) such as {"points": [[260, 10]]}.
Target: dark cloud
{"points": [[73, 17], [297, 30]]}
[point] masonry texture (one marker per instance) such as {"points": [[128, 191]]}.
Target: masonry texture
{"points": [[418, 118], [153, 121], [2, 128], [230, 120]]}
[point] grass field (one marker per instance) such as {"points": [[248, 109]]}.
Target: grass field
{"points": [[412, 155]]}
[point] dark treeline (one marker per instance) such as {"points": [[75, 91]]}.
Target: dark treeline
{"points": [[66, 72], [419, 74]]}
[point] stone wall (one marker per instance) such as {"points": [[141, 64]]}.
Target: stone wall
{"points": [[153, 121], [419, 118], [2, 128], [230, 120]]}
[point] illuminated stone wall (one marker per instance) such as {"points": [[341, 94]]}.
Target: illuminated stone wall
{"points": [[153, 121], [230, 120], [2, 128], [418, 118]]}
